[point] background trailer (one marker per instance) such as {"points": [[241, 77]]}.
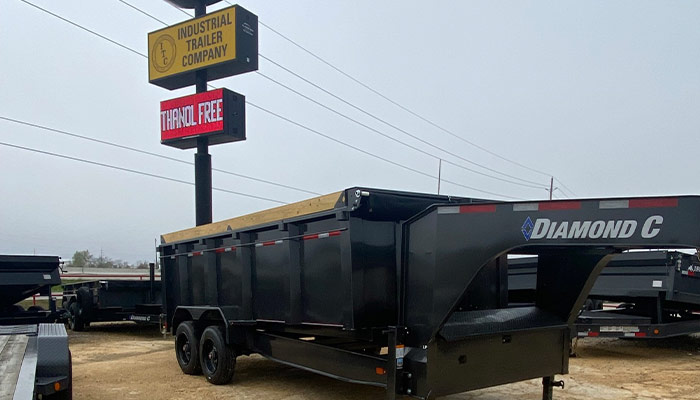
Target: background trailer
{"points": [[656, 295]]}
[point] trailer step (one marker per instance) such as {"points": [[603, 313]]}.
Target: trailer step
{"points": [[463, 324]]}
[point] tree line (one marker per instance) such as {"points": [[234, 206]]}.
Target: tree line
{"points": [[84, 259]]}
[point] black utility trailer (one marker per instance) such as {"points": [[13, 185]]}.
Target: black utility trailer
{"points": [[34, 358], [403, 291], [22, 277], [113, 300], [657, 295]]}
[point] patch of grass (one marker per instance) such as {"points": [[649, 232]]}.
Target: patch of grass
{"points": [[28, 303]]}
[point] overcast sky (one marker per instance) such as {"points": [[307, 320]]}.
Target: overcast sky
{"points": [[604, 96]]}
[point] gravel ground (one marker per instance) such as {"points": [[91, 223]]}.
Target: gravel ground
{"points": [[127, 361]]}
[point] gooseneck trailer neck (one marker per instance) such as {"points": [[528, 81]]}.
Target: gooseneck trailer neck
{"points": [[402, 290]]}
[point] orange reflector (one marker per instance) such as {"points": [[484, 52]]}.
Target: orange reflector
{"points": [[380, 371], [656, 331], [56, 387]]}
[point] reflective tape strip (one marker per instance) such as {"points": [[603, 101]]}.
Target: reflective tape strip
{"points": [[448, 210], [526, 207], [321, 235], [613, 204], [194, 254], [560, 205], [225, 249], [479, 208], [270, 243], [658, 202]]}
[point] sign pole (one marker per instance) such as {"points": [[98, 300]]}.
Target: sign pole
{"points": [[207, 47], [202, 159]]}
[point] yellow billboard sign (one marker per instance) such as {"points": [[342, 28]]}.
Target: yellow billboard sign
{"points": [[224, 43]]}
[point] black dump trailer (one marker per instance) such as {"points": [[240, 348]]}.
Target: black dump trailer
{"points": [[113, 300], [22, 277], [403, 291], [35, 360], [656, 294]]}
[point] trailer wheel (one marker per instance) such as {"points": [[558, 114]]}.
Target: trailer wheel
{"points": [[75, 320], [218, 360], [187, 348], [84, 298]]}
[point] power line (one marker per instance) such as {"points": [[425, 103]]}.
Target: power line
{"points": [[281, 117], [415, 114], [133, 171], [374, 155], [565, 187], [105, 142], [84, 28], [530, 183], [145, 13]]}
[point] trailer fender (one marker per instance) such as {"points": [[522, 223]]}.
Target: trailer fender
{"points": [[202, 317]]}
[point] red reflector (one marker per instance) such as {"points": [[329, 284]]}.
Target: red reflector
{"points": [[593, 334], [334, 233], [309, 237], [196, 253], [484, 208], [559, 205], [640, 334], [269, 243], [654, 202], [219, 250]]}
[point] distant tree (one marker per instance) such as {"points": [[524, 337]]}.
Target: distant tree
{"points": [[82, 259], [102, 262], [141, 265]]}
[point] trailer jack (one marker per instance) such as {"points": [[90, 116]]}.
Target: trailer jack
{"points": [[548, 383]]}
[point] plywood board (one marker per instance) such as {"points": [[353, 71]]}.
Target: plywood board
{"points": [[305, 207]]}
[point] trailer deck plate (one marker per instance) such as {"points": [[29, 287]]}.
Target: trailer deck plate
{"points": [[12, 355]]}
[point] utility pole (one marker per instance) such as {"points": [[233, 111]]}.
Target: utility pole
{"points": [[439, 174], [551, 187]]}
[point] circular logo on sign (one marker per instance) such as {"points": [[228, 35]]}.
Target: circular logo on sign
{"points": [[163, 53]]}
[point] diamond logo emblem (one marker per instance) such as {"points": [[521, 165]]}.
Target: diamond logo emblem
{"points": [[527, 228]]}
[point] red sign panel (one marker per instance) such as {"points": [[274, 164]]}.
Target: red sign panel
{"points": [[218, 114]]}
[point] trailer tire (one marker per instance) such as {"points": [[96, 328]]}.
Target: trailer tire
{"points": [[75, 320], [84, 298], [187, 348], [218, 360]]}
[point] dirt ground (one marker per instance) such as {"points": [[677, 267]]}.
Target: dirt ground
{"points": [[125, 361]]}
